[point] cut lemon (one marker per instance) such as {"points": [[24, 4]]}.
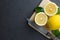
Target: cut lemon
{"points": [[51, 9], [41, 19]]}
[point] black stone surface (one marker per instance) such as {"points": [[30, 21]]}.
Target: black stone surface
{"points": [[13, 24]]}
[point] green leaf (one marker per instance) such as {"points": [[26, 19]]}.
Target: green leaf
{"points": [[39, 9], [56, 32], [58, 11]]}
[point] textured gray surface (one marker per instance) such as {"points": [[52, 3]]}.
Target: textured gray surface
{"points": [[13, 25]]}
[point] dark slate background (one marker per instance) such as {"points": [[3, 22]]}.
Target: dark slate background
{"points": [[13, 24]]}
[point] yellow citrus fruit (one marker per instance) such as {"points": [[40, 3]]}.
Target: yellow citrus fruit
{"points": [[51, 9], [54, 22], [41, 19]]}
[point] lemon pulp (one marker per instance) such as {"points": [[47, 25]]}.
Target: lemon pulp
{"points": [[51, 9], [40, 19]]}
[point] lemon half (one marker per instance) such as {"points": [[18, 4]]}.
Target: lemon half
{"points": [[51, 9], [41, 19]]}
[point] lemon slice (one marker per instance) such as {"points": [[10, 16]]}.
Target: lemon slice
{"points": [[51, 9], [41, 19]]}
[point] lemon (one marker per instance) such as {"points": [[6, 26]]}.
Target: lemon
{"points": [[41, 19], [51, 9], [54, 22]]}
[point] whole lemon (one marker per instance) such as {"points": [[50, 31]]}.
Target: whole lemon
{"points": [[54, 22]]}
